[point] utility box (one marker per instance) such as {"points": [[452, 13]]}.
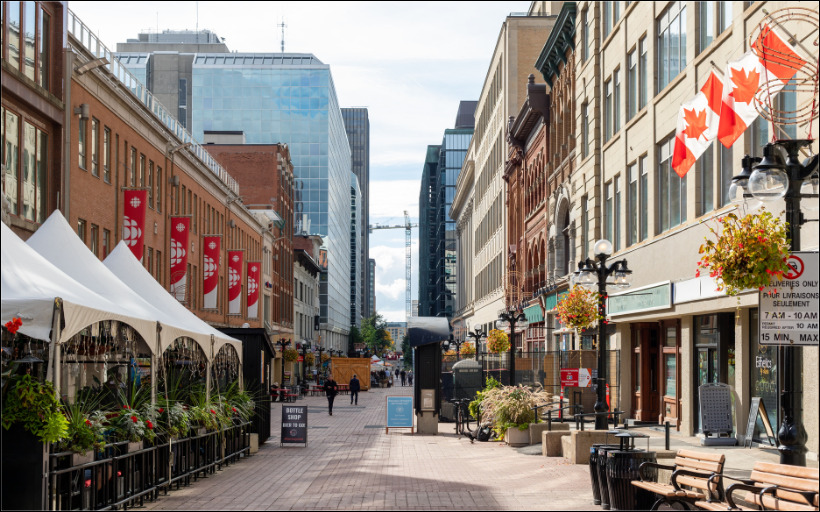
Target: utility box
{"points": [[466, 379], [425, 335]]}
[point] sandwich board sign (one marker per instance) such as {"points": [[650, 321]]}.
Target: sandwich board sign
{"points": [[399, 413], [789, 305], [294, 425]]}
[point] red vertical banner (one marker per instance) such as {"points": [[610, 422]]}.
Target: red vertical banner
{"points": [[180, 232], [211, 249], [254, 275], [133, 213], [235, 264]]}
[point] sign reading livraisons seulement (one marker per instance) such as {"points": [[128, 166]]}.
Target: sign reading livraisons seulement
{"points": [[294, 425], [789, 305], [399, 412]]}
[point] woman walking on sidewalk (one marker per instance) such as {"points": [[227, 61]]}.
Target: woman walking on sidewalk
{"points": [[331, 388]]}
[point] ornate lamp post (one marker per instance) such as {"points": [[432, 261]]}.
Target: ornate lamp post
{"points": [[595, 273], [773, 179], [451, 342], [477, 335], [282, 344], [512, 321]]}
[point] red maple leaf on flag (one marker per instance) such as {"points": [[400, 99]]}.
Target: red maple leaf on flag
{"points": [[746, 85], [695, 123]]}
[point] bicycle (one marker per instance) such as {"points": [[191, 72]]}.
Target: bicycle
{"points": [[461, 415]]}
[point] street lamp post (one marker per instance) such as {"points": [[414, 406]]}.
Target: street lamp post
{"points": [[477, 335], [594, 273], [457, 343], [282, 344], [791, 180], [516, 322]]}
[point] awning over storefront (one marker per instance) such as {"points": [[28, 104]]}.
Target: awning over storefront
{"points": [[534, 314], [551, 301]]}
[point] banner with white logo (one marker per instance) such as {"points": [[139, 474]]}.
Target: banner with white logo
{"points": [[133, 213], [254, 273], [211, 247], [180, 230], [235, 264]]}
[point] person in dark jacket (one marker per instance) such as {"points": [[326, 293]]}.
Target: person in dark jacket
{"points": [[355, 387], [330, 388]]}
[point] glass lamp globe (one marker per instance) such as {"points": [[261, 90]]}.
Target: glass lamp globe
{"points": [[521, 324], [502, 325], [602, 247], [587, 279], [736, 191], [810, 186], [768, 184], [622, 279]]}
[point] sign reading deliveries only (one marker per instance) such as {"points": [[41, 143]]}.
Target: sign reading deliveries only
{"points": [[789, 306]]}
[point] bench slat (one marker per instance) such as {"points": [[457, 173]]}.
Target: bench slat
{"points": [[705, 456], [698, 465], [769, 502], [801, 484], [787, 470]]}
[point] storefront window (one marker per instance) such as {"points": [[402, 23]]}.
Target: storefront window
{"points": [[671, 364], [763, 372]]}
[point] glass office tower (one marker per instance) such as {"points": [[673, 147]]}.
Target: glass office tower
{"points": [[290, 98]]}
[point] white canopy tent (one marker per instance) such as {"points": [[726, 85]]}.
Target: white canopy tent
{"points": [[31, 285], [122, 263], [60, 245]]}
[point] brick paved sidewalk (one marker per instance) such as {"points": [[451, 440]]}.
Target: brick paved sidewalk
{"points": [[351, 464]]}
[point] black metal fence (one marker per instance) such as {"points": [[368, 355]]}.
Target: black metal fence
{"points": [[126, 474], [544, 368]]}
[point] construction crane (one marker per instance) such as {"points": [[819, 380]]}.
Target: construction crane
{"points": [[406, 226]]}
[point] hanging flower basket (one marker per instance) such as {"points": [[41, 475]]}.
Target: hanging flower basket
{"points": [[467, 349], [450, 356], [290, 355], [325, 357], [748, 253], [497, 341], [310, 359], [579, 308]]}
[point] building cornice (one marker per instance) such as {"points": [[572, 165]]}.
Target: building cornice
{"points": [[561, 38]]}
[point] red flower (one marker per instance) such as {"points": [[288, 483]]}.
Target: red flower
{"points": [[213, 411], [150, 425], [125, 407], [14, 324], [161, 410], [134, 419], [233, 409], [88, 423], [697, 274]]}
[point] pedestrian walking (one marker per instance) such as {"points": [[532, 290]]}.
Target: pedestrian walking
{"points": [[410, 377], [331, 389], [403, 378], [355, 386]]}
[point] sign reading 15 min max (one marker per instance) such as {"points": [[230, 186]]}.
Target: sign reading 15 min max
{"points": [[789, 306]]}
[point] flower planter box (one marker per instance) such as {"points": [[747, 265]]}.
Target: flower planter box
{"points": [[517, 437], [79, 459], [135, 446]]}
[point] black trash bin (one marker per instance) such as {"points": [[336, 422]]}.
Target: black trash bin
{"points": [[593, 470], [602, 481], [622, 468]]}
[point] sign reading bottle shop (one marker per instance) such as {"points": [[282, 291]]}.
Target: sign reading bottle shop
{"points": [[789, 306]]}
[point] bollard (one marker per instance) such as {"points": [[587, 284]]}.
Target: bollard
{"points": [[666, 435]]}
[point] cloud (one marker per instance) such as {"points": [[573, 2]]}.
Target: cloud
{"points": [[390, 199], [393, 315], [394, 290]]}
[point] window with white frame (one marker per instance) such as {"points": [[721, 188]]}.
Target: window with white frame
{"points": [[671, 44], [671, 188]]}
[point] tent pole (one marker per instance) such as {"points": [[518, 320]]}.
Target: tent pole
{"points": [[53, 370], [208, 372], [154, 366]]}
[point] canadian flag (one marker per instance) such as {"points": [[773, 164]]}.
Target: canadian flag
{"points": [[760, 73], [697, 125]]}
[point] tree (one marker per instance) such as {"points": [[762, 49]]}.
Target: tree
{"points": [[406, 351], [354, 339], [375, 335]]}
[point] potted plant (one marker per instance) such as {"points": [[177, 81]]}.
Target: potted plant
{"points": [[129, 425], [510, 409], [85, 433], [498, 341], [291, 355], [34, 406], [578, 309], [748, 253], [309, 359]]}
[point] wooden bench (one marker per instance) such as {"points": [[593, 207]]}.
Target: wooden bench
{"points": [[690, 480], [771, 487]]}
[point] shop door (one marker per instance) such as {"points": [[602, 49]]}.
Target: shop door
{"points": [[647, 372], [714, 354]]}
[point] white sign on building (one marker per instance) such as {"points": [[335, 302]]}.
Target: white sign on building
{"points": [[789, 306]]}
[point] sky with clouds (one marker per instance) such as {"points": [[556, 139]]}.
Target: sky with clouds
{"points": [[409, 63]]}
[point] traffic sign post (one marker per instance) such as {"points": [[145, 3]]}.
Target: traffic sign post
{"points": [[789, 306]]}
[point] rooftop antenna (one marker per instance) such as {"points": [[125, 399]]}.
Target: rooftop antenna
{"points": [[282, 25]]}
